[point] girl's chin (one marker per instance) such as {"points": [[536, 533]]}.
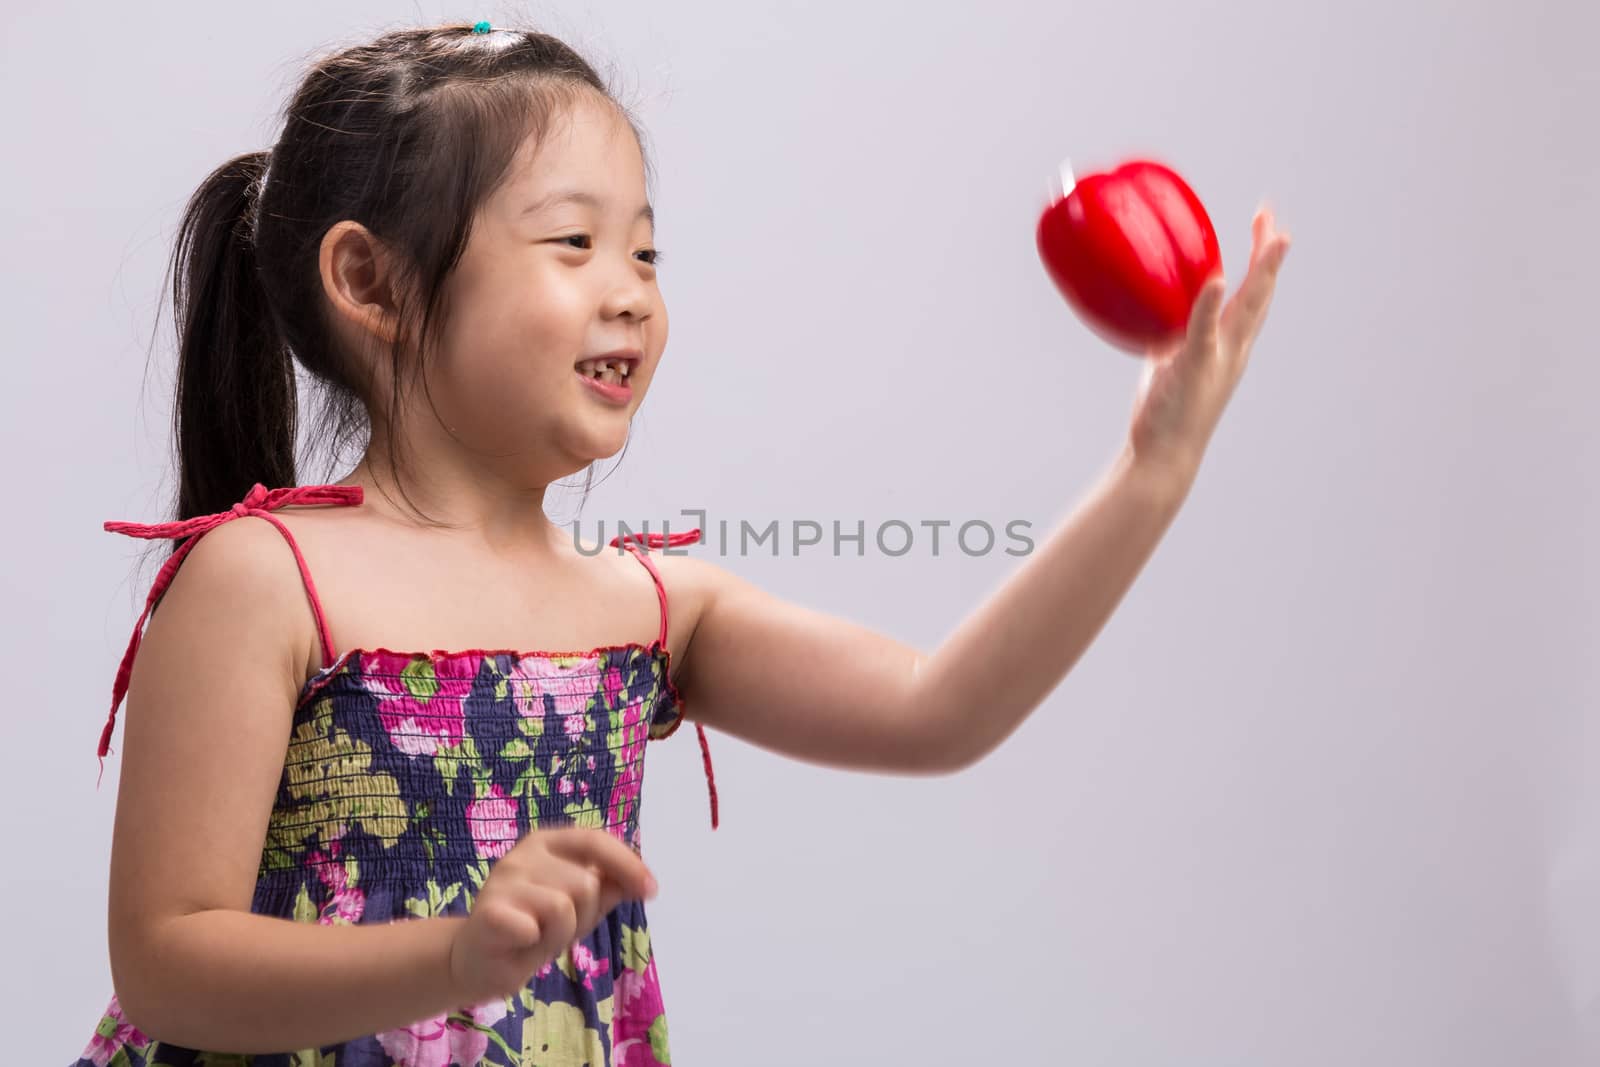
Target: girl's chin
{"points": [[600, 443]]}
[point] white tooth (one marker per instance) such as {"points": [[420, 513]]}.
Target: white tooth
{"points": [[623, 368]]}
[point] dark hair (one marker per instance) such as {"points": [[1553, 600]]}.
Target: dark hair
{"points": [[407, 135]]}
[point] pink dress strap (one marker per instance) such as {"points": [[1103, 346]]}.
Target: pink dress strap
{"points": [[261, 502], [658, 540]]}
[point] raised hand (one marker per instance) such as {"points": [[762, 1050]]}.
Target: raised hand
{"points": [[1186, 388]]}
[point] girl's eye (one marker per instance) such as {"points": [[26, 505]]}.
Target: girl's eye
{"points": [[653, 255]]}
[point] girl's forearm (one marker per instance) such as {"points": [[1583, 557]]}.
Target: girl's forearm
{"points": [[1005, 658], [229, 981]]}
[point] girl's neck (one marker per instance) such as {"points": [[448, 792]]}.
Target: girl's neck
{"points": [[475, 502]]}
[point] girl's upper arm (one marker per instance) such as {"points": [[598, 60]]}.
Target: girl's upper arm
{"points": [[209, 706], [801, 682]]}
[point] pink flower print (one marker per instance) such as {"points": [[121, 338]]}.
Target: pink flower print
{"points": [[347, 902], [443, 1040], [344, 909], [564, 787], [419, 725], [638, 1006], [574, 724], [639, 995], [113, 1032], [425, 1043], [555, 668], [553, 962], [468, 1044], [413, 737], [583, 961], [587, 964], [493, 821], [591, 763], [613, 686], [570, 686], [630, 775]]}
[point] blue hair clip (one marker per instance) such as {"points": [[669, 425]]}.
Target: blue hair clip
{"points": [[482, 27]]}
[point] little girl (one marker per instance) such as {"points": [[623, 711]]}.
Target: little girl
{"points": [[390, 816]]}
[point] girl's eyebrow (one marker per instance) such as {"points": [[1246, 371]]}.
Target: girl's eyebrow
{"points": [[578, 196]]}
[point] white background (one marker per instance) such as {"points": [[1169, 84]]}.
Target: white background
{"points": [[1322, 793]]}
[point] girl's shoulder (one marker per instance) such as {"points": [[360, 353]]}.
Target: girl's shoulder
{"points": [[241, 569], [245, 561], [687, 575]]}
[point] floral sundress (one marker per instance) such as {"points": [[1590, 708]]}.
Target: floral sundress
{"points": [[407, 775]]}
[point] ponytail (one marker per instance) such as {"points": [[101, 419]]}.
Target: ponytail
{"points": [[234, 412]]}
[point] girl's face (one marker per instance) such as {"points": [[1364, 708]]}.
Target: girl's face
{"points": [[558, 270]]}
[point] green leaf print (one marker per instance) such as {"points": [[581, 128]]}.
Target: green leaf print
{"points": [[311, 1057], [419, 679], [431, 836], [439, 899], [500, 683], [448, 760], [635, 949], [447, 766], [274, 858], [478, 873], [329, 773], [658, 1039], [555, 1036], [534, 777], [304, 910], [517, 748], [505, 1046], [586, 814], [436, 901], [221, 1059]]}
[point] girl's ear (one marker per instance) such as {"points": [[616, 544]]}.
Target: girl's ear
{"points": [[361, 283]]}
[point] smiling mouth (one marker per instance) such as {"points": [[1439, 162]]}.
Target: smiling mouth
{"points": [[611, 372]]}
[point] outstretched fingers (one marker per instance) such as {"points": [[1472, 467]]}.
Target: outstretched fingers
{"points": [[1242, 318]]}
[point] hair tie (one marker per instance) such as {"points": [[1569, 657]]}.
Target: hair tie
{"points": [[481, 27]]}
